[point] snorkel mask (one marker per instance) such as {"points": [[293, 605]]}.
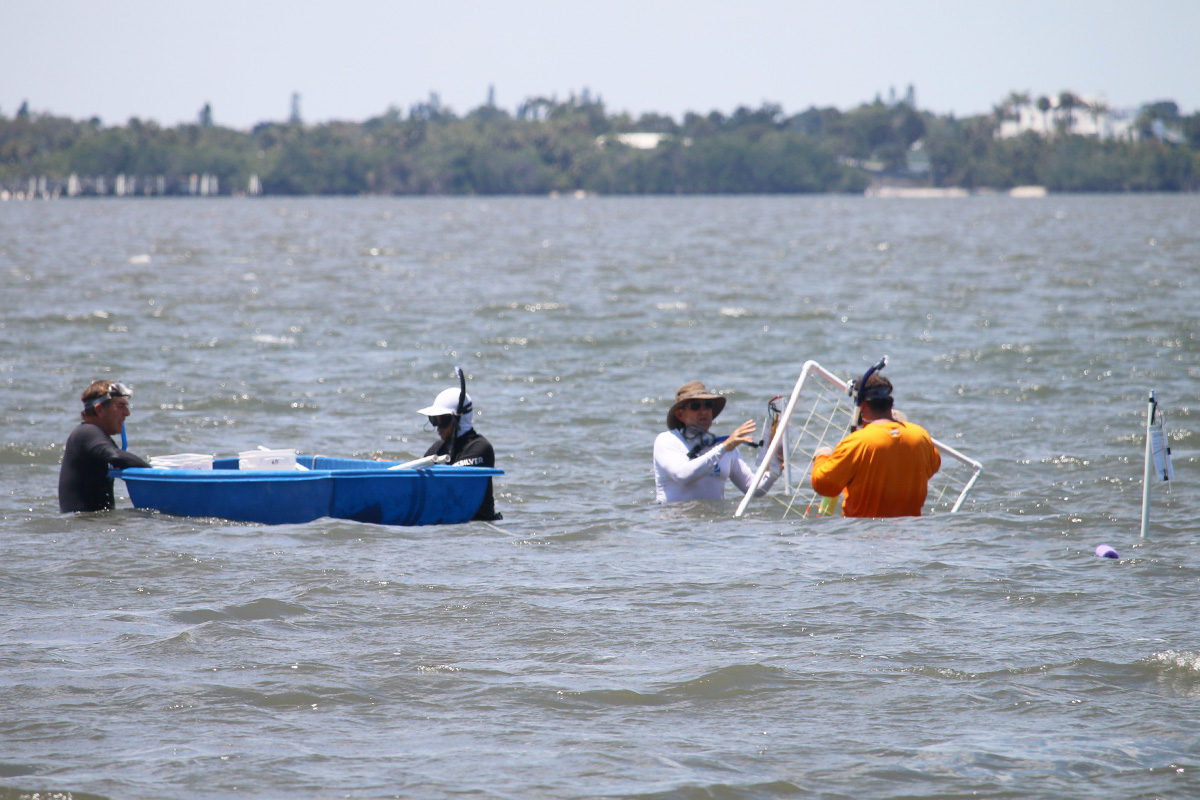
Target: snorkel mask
{"points": [[698, 440], [114, 390]]}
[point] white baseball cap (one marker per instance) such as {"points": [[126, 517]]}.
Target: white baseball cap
{"points": [[446, 403]]}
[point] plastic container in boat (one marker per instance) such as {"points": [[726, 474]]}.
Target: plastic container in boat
{"points": [[267, 459], [183, 461]]}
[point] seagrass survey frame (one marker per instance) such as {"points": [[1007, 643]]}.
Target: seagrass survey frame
{"points": [[820, 411]]}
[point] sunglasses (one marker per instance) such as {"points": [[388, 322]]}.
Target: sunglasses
{"points": [[442, 421], [696, 405]]}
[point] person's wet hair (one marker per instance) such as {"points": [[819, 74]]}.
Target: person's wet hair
{"points": [[877, 394]]}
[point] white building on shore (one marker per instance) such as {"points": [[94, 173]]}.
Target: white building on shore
{"points": [[1089, 116]]}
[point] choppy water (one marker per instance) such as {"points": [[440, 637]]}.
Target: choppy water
{"points": [[594, 644]]}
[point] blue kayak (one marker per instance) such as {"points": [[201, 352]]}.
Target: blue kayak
{"points": [[343, 488]]}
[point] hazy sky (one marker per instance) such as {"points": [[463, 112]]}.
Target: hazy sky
{"points": [[351, 60]]}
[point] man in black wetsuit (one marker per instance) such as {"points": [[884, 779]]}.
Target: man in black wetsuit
{"points": [[468, 449], [83, 482]]}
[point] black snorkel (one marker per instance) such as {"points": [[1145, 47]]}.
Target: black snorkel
{"points": [[862, 382], [859, 391], [458, 415]]}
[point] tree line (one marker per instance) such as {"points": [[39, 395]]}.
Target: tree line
{"points": [[577, 145]]}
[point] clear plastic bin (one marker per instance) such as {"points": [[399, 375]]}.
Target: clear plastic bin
{"points": [[182, 461]]}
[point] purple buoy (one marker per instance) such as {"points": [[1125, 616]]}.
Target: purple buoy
{"points": [[1104, 551]]}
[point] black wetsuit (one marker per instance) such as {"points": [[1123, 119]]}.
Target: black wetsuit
{"points": [[472, 450], [83, 482]]}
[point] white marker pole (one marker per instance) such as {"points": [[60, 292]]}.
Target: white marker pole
{"points": [[1149, 466]]}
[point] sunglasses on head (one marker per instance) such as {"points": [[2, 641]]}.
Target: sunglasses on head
{"points": [[696, 405], [441, 421]]}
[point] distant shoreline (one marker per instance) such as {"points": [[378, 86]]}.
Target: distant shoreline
{"points": [[548, 148]]}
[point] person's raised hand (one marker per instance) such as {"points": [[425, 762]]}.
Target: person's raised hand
{"points": [[743, 434]]}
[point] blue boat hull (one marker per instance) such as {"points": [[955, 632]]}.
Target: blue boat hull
{"points": [[343, 488]]}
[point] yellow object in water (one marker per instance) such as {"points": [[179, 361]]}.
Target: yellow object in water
{"points": [[828, 506]]}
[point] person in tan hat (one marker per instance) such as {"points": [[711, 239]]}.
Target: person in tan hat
{"points": [[690, 463]]}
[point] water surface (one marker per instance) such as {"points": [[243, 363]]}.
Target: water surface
{"points": [[593, 644]]}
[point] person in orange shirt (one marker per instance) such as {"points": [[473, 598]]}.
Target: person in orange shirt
{"points": [[885, 465]]}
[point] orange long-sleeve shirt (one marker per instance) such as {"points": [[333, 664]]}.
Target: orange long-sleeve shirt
{"points": [[884, 468]]}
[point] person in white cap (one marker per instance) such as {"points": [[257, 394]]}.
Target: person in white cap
{"points": [[452, 415], [692, 464]]}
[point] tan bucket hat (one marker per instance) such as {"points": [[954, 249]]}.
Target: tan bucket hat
{"points": [[692, 390]]}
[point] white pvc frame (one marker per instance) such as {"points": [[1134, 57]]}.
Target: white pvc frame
{"points": [[814, 371]]}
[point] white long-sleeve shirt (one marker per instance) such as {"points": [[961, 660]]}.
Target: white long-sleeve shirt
{"points": [[677, 477]]}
